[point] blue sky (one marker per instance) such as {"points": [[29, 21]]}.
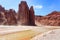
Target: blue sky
{"points": [[41, 7]]}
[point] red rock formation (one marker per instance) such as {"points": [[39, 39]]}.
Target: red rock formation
{"points": [[52, 19], [10, 16], [31, 16], [2, 9], [25, 16], [54, 13], [23, 13], [2, 18]]}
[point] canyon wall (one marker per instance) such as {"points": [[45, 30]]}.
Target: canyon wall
{"points": [[52, 19]]}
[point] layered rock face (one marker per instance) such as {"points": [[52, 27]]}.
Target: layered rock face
{"points": [[7, 17], [23, 13], [2, 9], [25, 16], [10, 16], [2, 18], [54, 13], [31, 16], [52, 19]]}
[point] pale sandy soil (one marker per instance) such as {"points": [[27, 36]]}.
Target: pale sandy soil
{"points": [[22, 32], [50, 35]]}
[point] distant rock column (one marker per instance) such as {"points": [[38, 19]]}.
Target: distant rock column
{"points": [[23, 13], [31, 16]]}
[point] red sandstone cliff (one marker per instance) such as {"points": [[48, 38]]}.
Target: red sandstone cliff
{"points": [[31, 16], [10, 16], [25, 15], [52, 19], [2, 9], [7, 17]]}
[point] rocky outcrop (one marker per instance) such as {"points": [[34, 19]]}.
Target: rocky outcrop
{"points": [[10, 16], [25, 16], [2, 9], [2, 15], [52, 19], [54, 13], [23, 13], [7, 17], [2, 18], [31, 16]]}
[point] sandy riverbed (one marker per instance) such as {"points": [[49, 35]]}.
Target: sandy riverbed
{"points": [[22, 32]]}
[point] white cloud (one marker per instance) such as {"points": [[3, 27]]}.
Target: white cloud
{"points": [[38, 6]]}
